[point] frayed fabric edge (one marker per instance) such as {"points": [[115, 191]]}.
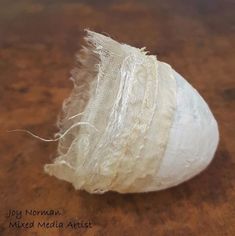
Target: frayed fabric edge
{"points": [[94, 43]]}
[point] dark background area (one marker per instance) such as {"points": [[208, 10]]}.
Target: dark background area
{"points": [[38, 42]]}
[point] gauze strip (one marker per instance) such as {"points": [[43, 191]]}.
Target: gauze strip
{"points": [[131, 103]]}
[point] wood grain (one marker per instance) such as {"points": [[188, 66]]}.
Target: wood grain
{"points": [[38, 41]]}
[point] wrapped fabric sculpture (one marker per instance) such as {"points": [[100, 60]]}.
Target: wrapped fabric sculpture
{"points": [[131, 124]]}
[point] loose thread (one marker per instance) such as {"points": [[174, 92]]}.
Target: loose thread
{"points": [[56, 139]]}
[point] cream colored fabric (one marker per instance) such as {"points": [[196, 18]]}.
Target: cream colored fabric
{"points": [[119, 140]]}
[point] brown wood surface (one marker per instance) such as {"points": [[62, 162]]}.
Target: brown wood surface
{"points": [[38, 41]]}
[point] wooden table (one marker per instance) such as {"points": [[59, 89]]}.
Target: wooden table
{"points": [[38, 41]]}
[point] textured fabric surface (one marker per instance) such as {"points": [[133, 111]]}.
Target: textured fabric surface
{"points": [[119, 140]]}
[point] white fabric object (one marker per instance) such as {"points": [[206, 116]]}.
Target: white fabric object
{"points": [[135, 126]]}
